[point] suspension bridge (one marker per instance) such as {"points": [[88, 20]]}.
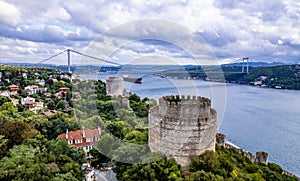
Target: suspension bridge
{"points": [[243, 62], [79, 53], [240, 62]]}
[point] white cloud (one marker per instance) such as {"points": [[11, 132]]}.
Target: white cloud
{"points": [[57, 14], [9, 14], [267, 29]]}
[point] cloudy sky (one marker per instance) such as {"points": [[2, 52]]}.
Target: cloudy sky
{"points": [[265, 30]]}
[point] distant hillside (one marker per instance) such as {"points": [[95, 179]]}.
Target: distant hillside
{"points": [[257, 64], [280, 77]]}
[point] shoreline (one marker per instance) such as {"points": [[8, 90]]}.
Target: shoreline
{"points": [[228, 144]]}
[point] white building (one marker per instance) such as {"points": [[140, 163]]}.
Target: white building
{"points": [[33, 89], [27, 99], [40, 82]]}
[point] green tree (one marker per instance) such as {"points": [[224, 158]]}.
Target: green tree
{"points": [[68, 96], [16, 133], [164, 169], [8, 106], [27, 162], [51, 105], [134, 98], [130, 153], [60, 147], [98, 157], [137, 137], [207, 161], [40, 122], [20, 107], [275, 167], [107, 144], [61, 105], [115, 128], [202, 175], [4, 99], [23, 93]]}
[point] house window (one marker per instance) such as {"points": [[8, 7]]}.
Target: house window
{"points": [[78, 141]]}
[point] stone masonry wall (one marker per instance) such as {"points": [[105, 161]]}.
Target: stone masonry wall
{"points": [[182, 126], [114, 86]]}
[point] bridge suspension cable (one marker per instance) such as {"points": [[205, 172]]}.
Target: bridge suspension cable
{"points": [[95, 58], [243, 60], [79, 53], [51, 57]]}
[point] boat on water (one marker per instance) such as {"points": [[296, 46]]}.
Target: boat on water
{"points": [[131, 79]]}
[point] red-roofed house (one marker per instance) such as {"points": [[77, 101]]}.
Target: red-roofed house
{"points": [[63, 90], [49, 112], [13, 88], [85, 139]]}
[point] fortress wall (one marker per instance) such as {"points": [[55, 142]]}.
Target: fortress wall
{"points": [[182, 126], [114, 86]]}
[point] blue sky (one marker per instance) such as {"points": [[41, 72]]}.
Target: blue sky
{"points": [[266, 30]]}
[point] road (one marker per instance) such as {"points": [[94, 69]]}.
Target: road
{"points": [[105, 175]]}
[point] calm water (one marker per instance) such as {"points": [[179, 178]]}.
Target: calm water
{"points": [[255, 119]]}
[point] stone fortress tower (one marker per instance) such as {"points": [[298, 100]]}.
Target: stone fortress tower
{"points": [[114, 86], [182, 126]]}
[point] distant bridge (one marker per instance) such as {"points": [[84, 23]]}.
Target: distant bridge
{"points": [[79, 53], [212, 69]]}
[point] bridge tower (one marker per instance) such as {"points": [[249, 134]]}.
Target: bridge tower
{"points": [[245, 61], [69, 61]]}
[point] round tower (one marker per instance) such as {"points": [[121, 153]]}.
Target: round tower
{"points": [[114, 86], [182, 126]]}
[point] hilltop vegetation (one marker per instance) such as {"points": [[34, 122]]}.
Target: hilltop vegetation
{"points": [[29, 149], [284, 77], [223, 164], [281, 77]]}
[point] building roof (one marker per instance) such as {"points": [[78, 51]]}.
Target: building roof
{"points": [[4, 93], [49, 112], [29, 103], [63, 89], [13, 86], [91, 133], [31, 87], [78, 135]]}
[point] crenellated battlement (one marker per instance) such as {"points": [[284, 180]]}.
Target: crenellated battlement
{"points": [[193, 108], [177, 100], [182, 126]]}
